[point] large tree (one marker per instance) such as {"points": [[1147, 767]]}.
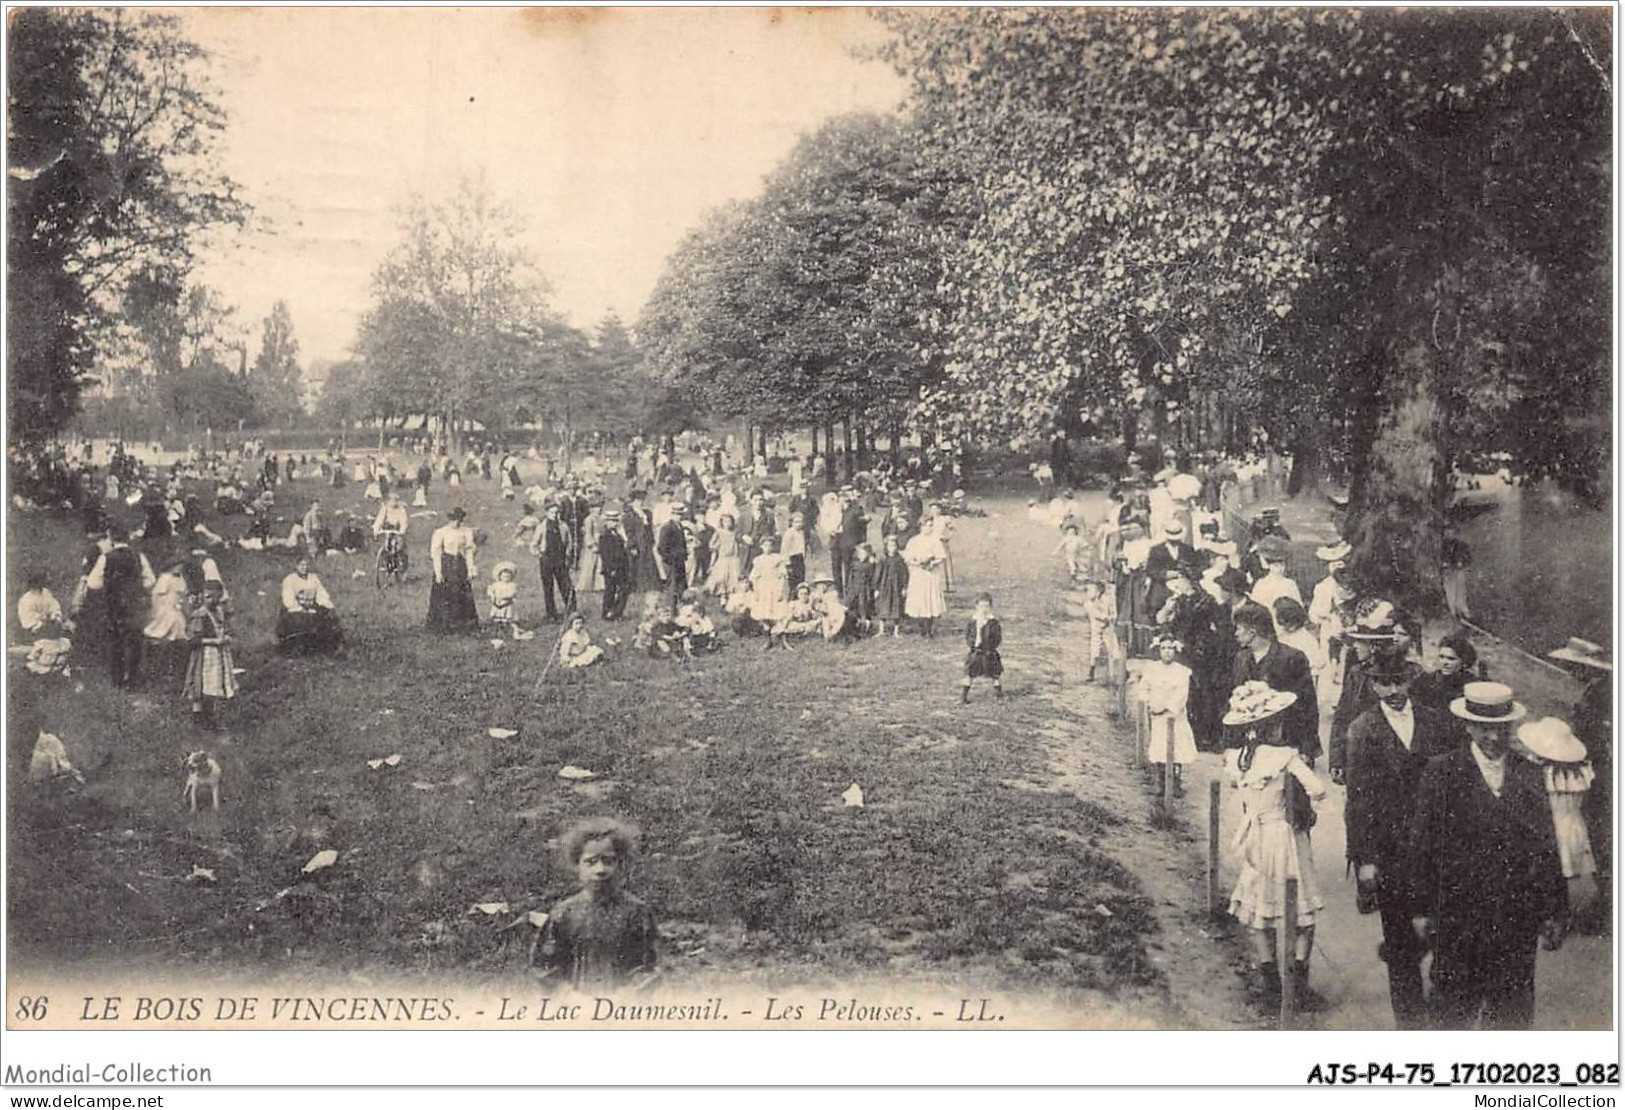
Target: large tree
{"points": [[275, 378], [811, 304], [111, 158], [460, 316]]}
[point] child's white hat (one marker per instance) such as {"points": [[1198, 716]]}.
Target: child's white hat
{"points": [[505, 565]]}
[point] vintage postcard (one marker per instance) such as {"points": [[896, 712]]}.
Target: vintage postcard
{"points": [[859, 519]]}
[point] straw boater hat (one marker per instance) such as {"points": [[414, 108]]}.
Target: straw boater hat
{"points": [[1552, 741], [1585, 653], [1174, 530], [1252, 702], [1488, 703], [1333, 552]]}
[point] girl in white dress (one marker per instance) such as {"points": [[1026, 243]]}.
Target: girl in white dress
{"points": [[724, 575], [770, 586], [924, 599], [1167, 686], [1277, 794]]}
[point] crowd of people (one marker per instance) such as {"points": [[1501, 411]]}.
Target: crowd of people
{"points": [[1472, 831]]}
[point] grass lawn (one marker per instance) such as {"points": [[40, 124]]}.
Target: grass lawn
{"points": [[968, 862]]}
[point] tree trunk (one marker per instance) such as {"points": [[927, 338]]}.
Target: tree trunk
{"points": [[750, 443], [761, 442], [815, 439]]}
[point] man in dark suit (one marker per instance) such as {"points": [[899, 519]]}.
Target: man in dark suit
{"points": [[640, 542], [1263, 658], [1485, 879], [1389, 745], [616, 562], [122, 577], [1376, 630], [1169, 555], [671, 555], [552, 547], [854, 530]]}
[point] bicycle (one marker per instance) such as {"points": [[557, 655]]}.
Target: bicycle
{"points": [[390, 567]]}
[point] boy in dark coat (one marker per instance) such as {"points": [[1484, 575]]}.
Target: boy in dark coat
{"points": [[983, 635]]}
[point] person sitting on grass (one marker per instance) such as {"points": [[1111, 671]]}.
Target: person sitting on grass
{"points": [[699, 631], [601, 936], [801, 619], [308, 623], [38, 610], [835, 621], [983, 635], [576, 648]]}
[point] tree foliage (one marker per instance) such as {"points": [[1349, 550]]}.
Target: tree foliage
{"points": [[275, 378], [810, 304], [111, 158]]}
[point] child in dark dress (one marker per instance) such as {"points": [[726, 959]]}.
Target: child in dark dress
{"points": [[858, 591], [983, 634], [891, 583], [600, 936]]}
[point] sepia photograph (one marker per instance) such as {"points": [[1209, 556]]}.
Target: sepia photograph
{"points": [[973, 518]]}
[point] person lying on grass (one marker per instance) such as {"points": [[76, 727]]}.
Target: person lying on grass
{"points": [[600, 936]]}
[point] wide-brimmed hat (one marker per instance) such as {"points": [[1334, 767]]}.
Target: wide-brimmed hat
{"points": [[1233, 580], [1252, 702], [1173, 528], [1165, 474], [1333, 552], [1388, 667], [1584, 653], [1488, 703], [1552, 740], [1184, 487], [1376, 622], [506, 564]]}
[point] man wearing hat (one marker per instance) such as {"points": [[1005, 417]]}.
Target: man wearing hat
{"points": [[552, 548], [1173, 552], [1376, 631], [615, 562], [1484, 878], [671, 554], [854, 530], [1389, 745]]}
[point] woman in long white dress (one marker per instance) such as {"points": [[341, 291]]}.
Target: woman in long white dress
{"points": [[925, 598], [1273, 836], [590, 572]]}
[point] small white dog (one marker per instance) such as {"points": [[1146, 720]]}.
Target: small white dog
{"points": [[202, 773]]}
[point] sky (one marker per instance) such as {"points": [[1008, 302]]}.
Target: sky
{"points": [[609, 131]]}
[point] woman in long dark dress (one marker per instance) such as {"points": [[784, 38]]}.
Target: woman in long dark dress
{"points": [[451, 596]]}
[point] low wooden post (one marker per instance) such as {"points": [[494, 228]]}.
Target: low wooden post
{"points": [[1167, 760], [1120, 677], [1213, 848], [1287, 943], [1141, 725]]}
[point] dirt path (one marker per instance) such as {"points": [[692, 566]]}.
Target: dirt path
{"points": [[1195, 954], [1200, 957]]}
